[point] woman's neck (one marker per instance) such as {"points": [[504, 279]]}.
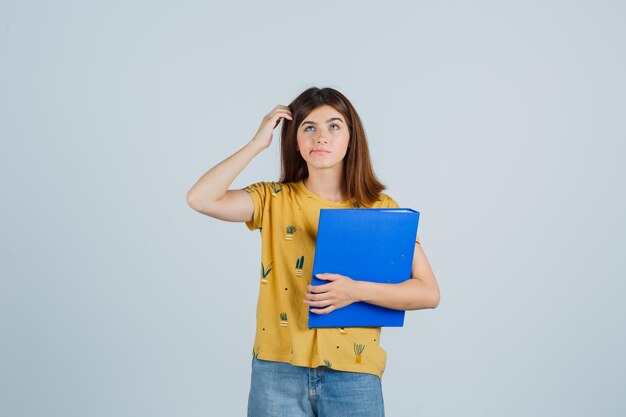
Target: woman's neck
{"points": [[328, 186]]}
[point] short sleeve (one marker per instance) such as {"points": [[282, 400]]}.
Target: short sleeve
{"points": [[258, 193], [392, 203]]}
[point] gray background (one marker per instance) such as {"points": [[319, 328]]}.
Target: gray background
{"points": [[502, 122]]}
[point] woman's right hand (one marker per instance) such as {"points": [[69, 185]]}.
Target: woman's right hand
{"points": [[263, 136]]}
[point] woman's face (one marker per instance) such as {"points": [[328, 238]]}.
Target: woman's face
{"points": [[323, 138]]}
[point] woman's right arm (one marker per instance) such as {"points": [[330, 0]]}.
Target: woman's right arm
{"points": [[210, 194]]}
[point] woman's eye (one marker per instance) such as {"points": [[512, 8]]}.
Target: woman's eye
{"points": [[334, 126]]}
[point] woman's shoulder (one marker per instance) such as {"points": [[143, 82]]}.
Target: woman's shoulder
{"points": [[275, 188], [385, 201]]}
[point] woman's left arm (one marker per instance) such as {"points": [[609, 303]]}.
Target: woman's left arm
{"points": [[419, 292]]}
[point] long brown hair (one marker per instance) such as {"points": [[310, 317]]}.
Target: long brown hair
{"points": [[359, 179]]}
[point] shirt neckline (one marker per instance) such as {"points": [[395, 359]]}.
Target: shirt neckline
{"points": [[311, 194]]}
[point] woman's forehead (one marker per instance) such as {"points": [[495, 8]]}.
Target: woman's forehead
{"points": [[323, 114]]}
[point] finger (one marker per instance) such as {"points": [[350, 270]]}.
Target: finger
{"points": [[318, 288], [317, 297], [285, 111], [282, 113], [277, 117], [277, 113], [319, 304], [327, 276], [280, 108], [326, 310]]}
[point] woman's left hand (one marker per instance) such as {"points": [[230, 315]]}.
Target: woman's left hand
{"points": [[339, 292]]}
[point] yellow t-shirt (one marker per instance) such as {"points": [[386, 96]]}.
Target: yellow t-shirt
{"points": [[287, 215]]}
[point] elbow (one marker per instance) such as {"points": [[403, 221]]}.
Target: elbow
{"points": [[203, 206], [190, 201], [430, 301], [424, 299], [193, 202], [435, 298], [434, 295]]}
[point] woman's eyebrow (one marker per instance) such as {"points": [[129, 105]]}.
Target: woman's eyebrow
{"points": [[327, 121]]}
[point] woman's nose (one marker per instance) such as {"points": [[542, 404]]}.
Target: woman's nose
{"points": [[322, 138]]}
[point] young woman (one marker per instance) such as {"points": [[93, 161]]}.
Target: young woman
{"points": [[297, 371]]}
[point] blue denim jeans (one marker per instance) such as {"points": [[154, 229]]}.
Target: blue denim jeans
{"points": [[280, 389]]}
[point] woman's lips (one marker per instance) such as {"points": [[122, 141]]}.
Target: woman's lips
{"points": [[320, 151]]}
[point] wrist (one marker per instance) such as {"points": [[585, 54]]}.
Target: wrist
{"points": [[360, 288], [259, 143], [255, 147]]}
